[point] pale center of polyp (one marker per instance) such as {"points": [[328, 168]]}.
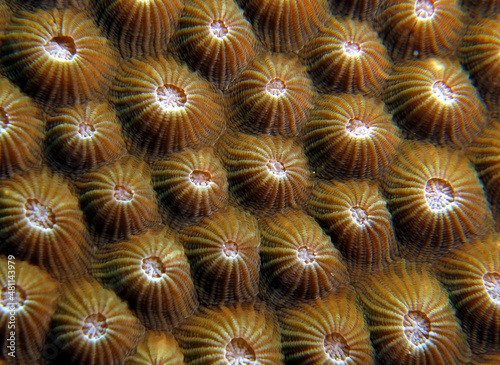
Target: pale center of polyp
{"points": [[218, 28], [230, 249], [13, 300], [239, 352], [359, 215], [352, 48], [200, 178], [417, 327], [276, 168], [424, 9], [306, 255], [171, 97], [443, 92], [439, 193], [62, 48], [4, 120], [357, 128], [336, 347], [39, 215], [153, 267], [492, 284], [95, 326], [123, 193], [276, 87], [85, 129]]}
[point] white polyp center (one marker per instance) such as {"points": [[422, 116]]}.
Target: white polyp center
{"points": [[357, 128], [39, 215], [306, 255], [417, 327], [4, 120], [424, 9], [218, 28], [171, 97], [62, 48], [13, 300], [276, 87], [439, 193], [123, 193], [492, 284], [95, 326], [359, 215], [276, 168], [85, 129], [352, 48], [153, 267], [239, 352], [443, 92], [230, 249], [200, 178], [336, 347]]}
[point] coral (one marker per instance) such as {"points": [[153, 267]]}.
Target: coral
{"points": [[156, 348], [361, 9], [482, 7], [298, 259], [347, 56], [273, 95], [350, 136], [151, 272], [164, 107], [215, 38], [223, 250]]}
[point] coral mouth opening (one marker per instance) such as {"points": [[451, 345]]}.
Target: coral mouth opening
{"points": [[359, 215], [417, 327], [13, 300], [123, 193], [276, 87], [39, 215], [218, 28], [200, 178], [352, 48], [424, 9], [62, 48], [443, 92], [153, 267], [276, 168], [86, 129], [306, 255], [230, 249], [336, 347], [492, 284], [171, 97], [439, 193], [95, 326], [357, 127], [4, 120], [239, 352]]}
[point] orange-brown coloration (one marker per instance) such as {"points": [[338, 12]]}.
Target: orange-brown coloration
{"points": [[266, 173], [57, 56], [285, 25], [191, 184], [28, 298], [347, 56], [151, 272], [21, 130], [421, 28], [93, 326], [482, 7], [223, 250], [350, 136], [471, 273], [118, 199], [488, 358], [165, 107], [83, 137], [156, 348], [435, 198], [138, 27], [433, 99], [231, 335], [273, 95], [42, 223], [326, 331], [410, 318], [298, 259], [215, 38], [355, 215], [362, 9]]}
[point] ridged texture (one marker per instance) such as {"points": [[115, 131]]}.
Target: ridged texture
{"points": [[21, 130], [435, 198], [347, 56], [471, 273], [285, 25], [350, 136], [231, 335], [42, 223], [355, 215], [215, 38], [298, 259], [83, 137], [118, 199], [57, 56], [138, 27], [489, 358], [482, 7], [420, 28], [165, 107], [326, 331], [223, 250], [151, 272], [434, 99], [273, 95], [93, 326], [361, 9], [410, 318], [28, 301], [191, 184], [156, 348], [266, 173]]}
